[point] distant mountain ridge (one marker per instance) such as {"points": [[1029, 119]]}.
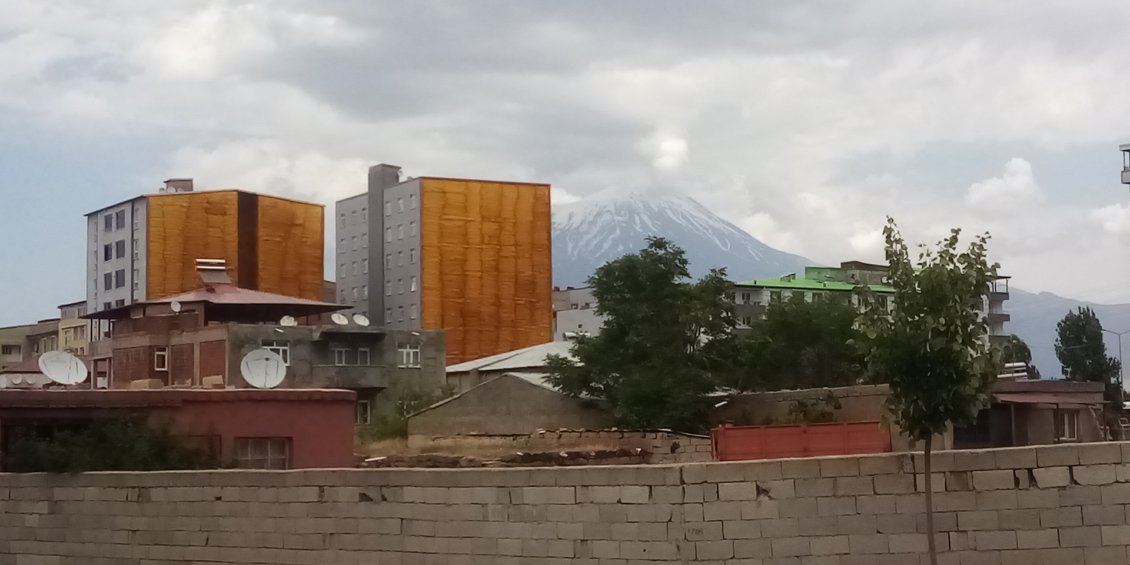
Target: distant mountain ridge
{"points": [[589, 233]]}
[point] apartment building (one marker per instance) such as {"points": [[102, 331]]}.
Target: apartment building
{"points": [[74, 330], [146, 247], [469, 257], [574, 313]]}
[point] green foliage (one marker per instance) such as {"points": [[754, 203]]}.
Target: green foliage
{"points": [[410, 401], [1015, 351], [1082, 353], [663, 342], [815, 411], [102, 445], [933, 347], [801, 344]]}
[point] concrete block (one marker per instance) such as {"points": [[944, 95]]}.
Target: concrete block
{"points": [[994, 540], [814, 487], [950, 501], [1080, 496], [856, 525], [791, 547], [780, 528], [1023, 478], [1118, 493], [753, 549], [869, 544], [878, 504], [1099, 453], [1037, 539], [737, 491], [703, 531], [839, 467], [908, 543], [997, 499], [851, 486], [742, 529], [893, 484], [1052, 477], [1086, 536], [800, 468], [635, 494], [717, 550], [1028, 519], [718, 511], [958, 481], [649, 550], [1115, 535], [938, 483], [884, 464], [1064, 455], [978, 520], [980, 460], [1094, 475], [829, 545], [798, 508], [1065, 517], [994, 480], [836, 506], [1105, 556], [1038, 498], [1015, 458], [762, 471], [1099, 515], [1121, 472], [757, 510]]}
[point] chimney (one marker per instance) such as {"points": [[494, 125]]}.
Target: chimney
{"points": [[178, 185], [383, 176]]}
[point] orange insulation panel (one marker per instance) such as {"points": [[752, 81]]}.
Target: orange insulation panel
{"points": [[290, 247], [486, 262], [185, 227]]}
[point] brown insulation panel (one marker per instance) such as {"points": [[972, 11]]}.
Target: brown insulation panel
{"points": [[290, 250], [486, 265], [186, 227]]}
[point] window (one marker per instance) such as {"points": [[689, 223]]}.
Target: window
{"points": [[353, 217], [363, 356], [356, 269], [388, 315], [341, 269], [108, 222], [280, 347], [400, 231], [353, 242], [797, 295], [388, 235], [120, 219], [817, 297], [354, 292], [388, 260], [161, 359], [119, 278], [119, 303], [365, 266], [745, 321], [412, 256], [107, 252], [399, 258], [343, 357], [883, 303], [400, 313], [10, 350], [388, 208], [399, 204], [343, 296], [262, 452], [364, 291], [388, 288], [341, 221], [412, 285], [364, 413], [365, 215], [774, 296], [412, 201], [745, 298], [107, 305], [412, 228], [409, 355], [412, 312], [108, 281], [400, 286], [1067, 425], [120, 249]]}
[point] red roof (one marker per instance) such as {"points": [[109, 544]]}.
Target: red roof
{"points": [[121, 398], [231, 294]]}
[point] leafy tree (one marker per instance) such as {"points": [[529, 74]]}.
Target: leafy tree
{"points": [[933, 348], [664, 340], [1082, 353], [1015, 350], [801, 344], [113, 444]]}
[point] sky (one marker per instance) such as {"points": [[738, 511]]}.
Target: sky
{"points": [[805, 123]]}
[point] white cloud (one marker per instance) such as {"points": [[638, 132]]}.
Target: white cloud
{"points": [[1115, 218], [666, 150], [1007, 193]]}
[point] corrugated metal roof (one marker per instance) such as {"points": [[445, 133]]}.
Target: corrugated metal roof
{"points": [[1045, 398], [526, 358]]}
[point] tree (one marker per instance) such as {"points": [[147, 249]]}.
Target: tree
{"points": [[801, 344], [663, 342], [933, 348], [1082, 353], [1015, 350]]}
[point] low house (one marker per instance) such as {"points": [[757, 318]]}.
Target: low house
{"points": [[247, 428], [513, 403], [469, 374]]}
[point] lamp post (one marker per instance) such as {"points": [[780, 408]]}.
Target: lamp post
{"points": [[1121, 367]]}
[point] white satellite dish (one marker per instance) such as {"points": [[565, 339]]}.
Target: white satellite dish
{"points": [[288, 321], [339, 319], [63, 368], [175, 307], [263, 368], [361, 320]]}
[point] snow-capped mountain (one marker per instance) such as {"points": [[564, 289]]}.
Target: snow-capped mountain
{"points": [[591, 232]]}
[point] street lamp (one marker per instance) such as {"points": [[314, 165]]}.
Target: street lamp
{"points": [[1121, 367]]}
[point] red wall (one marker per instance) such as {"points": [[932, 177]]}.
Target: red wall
{"points": [[321, 431], [741, 443]]}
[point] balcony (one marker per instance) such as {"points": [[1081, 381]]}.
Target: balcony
{"points": [[998, 290], [996, 318], [1125, 176], [349, 376]]}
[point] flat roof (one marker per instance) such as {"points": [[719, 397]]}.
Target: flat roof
{"points": [[160, 194], [124, 398], [809, 284]]}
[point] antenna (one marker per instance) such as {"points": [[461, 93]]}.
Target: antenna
{"points": [[361, 320], [63, 368], [339, 319], [176, 307], [288, 321], [263, 368]]}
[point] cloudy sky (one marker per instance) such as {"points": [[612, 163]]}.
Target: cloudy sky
{"points": [[804, 125]]}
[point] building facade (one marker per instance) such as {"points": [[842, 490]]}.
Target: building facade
{"points": [[574, 313], [74, 330], [14, 346], [146, 247], [470, 257]]}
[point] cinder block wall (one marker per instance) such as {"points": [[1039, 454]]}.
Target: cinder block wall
{"points": [[1046, 505]]}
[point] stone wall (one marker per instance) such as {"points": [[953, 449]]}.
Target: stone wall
{"points": [[1048, 505], [661, 447]]}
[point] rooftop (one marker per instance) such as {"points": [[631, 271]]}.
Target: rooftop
{"points": [[532, 357], [808, 284], [196, 192], [118, 398], [227, 296]]}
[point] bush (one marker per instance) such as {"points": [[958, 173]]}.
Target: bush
{"points": [[102, 445]]}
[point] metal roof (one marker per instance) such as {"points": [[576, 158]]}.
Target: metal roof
{"points": [[532, 357], [809, 284], [229, 295], [1046, 398]]}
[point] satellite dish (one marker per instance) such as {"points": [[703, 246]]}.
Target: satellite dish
{"points": [[361, 320], [63, 368], [339, 319], [175, 307], [288, 321], [263, 368]]}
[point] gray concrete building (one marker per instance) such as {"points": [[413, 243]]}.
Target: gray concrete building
{"points": [[574, 313]]}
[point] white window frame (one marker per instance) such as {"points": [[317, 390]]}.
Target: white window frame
{"points": [[400, 231], [364, 413], [281, 347], [388, 208], [341, 357], [161, 359], [412, 285], [388, 235], [1068, 432], [412, 312], [412, 256], [388, 287], [408, 355], [276, 450], [400, 204]]}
